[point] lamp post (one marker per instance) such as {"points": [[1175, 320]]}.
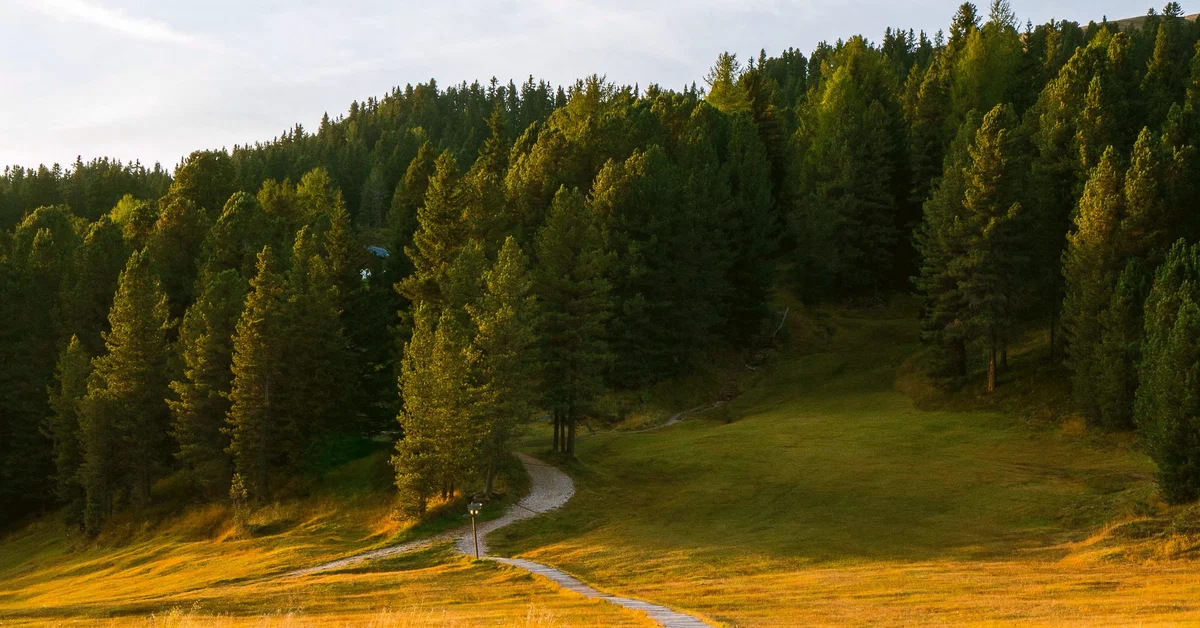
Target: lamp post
{"points": [[474, 508]]}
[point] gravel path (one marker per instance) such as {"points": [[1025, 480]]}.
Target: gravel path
{"points": [[550, 488]]}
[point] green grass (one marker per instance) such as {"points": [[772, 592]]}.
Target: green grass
{"points": [[199, 569], [833, 489], [830, 498]]}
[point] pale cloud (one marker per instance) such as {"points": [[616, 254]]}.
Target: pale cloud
{"points": [[156, 79], [116, 20]]}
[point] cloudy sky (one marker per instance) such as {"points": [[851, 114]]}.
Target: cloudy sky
{"points": [[153, 80]]}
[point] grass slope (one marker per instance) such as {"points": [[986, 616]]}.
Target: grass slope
{"points": [[830, 499], [195, 570]]}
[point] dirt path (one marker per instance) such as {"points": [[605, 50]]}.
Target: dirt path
{"points": [[549, 489]]}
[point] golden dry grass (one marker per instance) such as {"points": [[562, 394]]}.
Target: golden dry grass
{"points": [[832, 499]]}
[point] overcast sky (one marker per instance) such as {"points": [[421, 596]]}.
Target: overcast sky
{"points": [[154, 80]]}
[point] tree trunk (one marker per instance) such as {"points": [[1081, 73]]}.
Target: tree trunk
{"points": [[1053, 334], [555, 419], [991, 375], [1004, 355], [571, 433], [491, 474]]}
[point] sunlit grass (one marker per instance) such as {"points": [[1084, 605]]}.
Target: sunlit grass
{"points": [[831, 499], [199, 569]]}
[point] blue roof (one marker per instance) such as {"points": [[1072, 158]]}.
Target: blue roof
{"points": [[378, 251]]}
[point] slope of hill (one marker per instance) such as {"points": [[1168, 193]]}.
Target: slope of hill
{"points": [[830, 499], [821, 496]]}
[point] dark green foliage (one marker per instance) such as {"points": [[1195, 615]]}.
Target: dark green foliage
{"points": [[201, 400], [66, 397], [256, 412], [655, 220], [1120, 347], [995, 230], [1090, 267], [1167, 406], [846, 215], [125, 420], [941, 241], [574, 296]]}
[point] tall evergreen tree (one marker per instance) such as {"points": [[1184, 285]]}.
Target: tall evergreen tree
{"points": [[995, 231], [201, 400], [125, 418], [570, 282], [506, 378], [1167, 407], [941, 239], [256, 409], [66, 395]]}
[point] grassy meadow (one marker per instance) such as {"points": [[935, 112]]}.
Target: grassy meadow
{"points": [[198, 569], [832, 489], [837, 491]]}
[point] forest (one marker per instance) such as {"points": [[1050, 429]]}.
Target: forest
{"points": [[443, 266]]}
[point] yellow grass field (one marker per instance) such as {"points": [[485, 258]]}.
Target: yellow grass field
{"points": [[833, 491], [830, 499]]}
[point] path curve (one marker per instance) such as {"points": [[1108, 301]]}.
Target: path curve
{"points": [[549, 489]]}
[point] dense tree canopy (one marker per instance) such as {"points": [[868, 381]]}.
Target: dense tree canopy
{"points": [[446, 264]]}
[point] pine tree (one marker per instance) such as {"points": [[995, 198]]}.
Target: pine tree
{"points": [[318, 384], [98, 266], [174, 249], [506, 369], [724, 91], [1119, 349], [995, 261], [439, 448], [206, 179], [125, 418], [941, 239], [1090, 267], [71, 377], [440, 235], [201, 400], [574, 299], [240, 232], [1166, 406], [256, 410]]}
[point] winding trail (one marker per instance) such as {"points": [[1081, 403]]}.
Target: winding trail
{"points": [[550, 489]]}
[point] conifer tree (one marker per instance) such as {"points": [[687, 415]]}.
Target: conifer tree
{"points": [[506, 368], [201, 400], [574, 300], [1166, 407], [94, 282], [1090, 267], [440, 235], [66, 395], [318, 384], [256, 408], [237, 236], [724, 91], [406, 201], [439, 447], [125, 418], [995, 231], [941, 239], [1119, 350], [206, 179], [174, 249]]}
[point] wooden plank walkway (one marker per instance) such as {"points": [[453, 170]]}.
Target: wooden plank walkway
{"points": [[661, 614]]}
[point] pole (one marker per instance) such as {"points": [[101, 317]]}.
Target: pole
{"points": [[476, 535]]}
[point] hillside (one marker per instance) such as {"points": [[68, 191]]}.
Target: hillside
{"points": [[821, 495]]}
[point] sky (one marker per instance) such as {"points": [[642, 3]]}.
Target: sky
{"points": [[154, 80]]}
